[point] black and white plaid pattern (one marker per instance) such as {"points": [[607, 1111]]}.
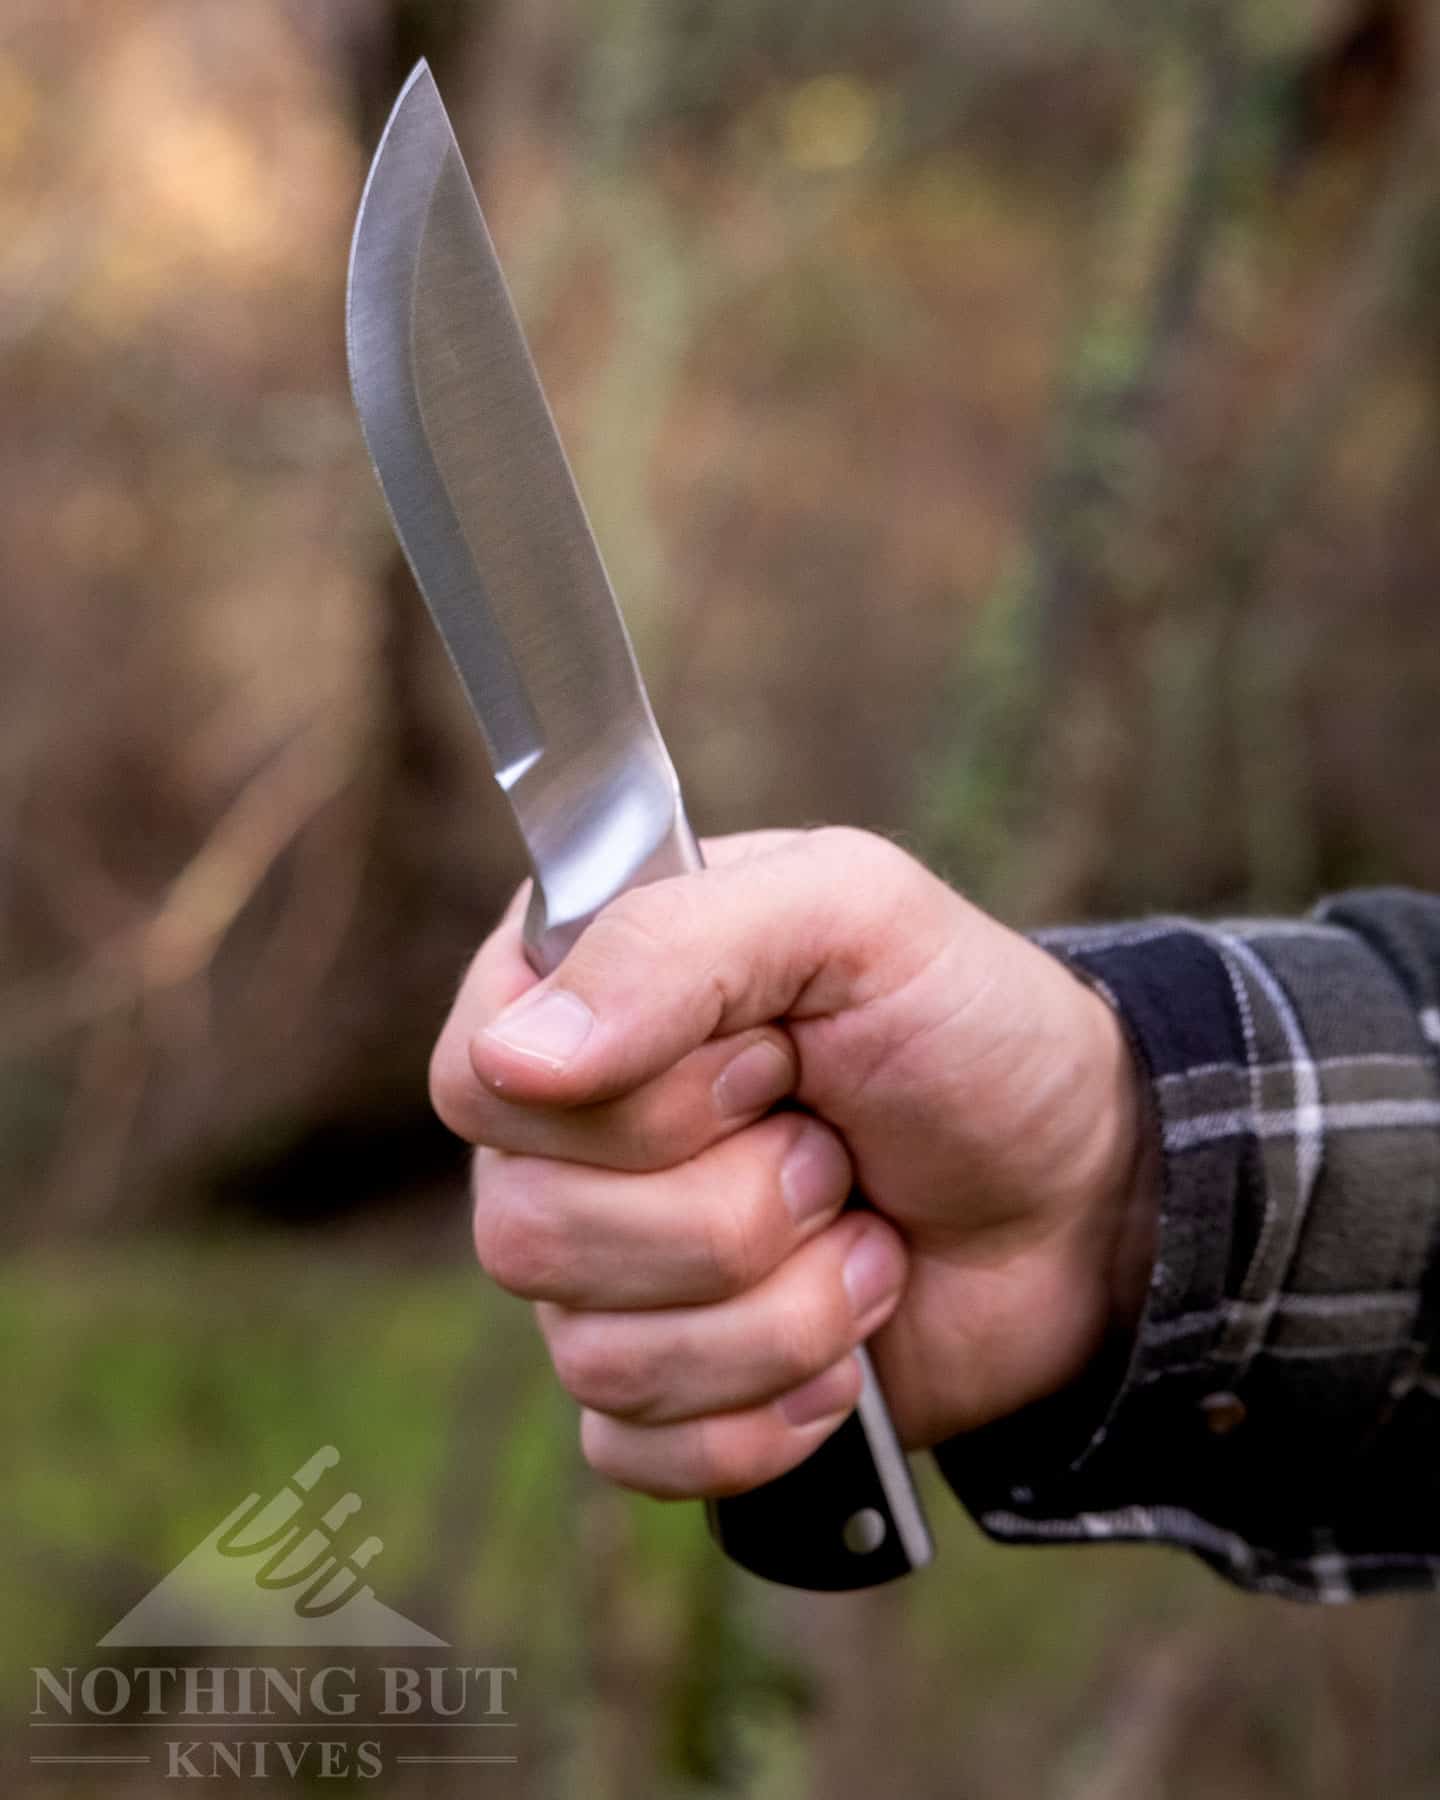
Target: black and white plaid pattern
{"points": [[1278, 1411]]}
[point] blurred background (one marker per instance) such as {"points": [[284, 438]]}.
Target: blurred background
{"points": [[1011, 425]]}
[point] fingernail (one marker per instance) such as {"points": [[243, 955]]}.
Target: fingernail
{"points": [[754, 1080], [549, 1029], [815, 1176], [874, 1271], [824, 1397]]}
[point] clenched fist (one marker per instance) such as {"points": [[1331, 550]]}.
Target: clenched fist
{"points": [[699, 1279]]}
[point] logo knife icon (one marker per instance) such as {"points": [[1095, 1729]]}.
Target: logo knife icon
{"points": [[488, 514]]}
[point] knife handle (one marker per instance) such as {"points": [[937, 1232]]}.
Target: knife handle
{"points": [[848, 1516]]}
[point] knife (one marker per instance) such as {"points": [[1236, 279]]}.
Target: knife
{"points": [[489, 517]]}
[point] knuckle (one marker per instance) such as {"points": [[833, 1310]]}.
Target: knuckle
{"points": [[453, 1088], [848, 845], [652, 1135], [808, 1338], [652, 919], [714, 1456], [606, 1448], [735, 1244], [599, 1370], [517, 1244], [869, 883], [596, 1446], [724, 1457], [863, 859]]}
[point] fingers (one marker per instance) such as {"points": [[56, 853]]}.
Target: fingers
{"points": [[714, 1091], [730, 1453], [704, 1316], [709, 1230], [664, 1367], [795, 929]]}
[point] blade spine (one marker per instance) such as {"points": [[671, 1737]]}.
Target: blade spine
{"points": [[506, 770], [421, 69]]}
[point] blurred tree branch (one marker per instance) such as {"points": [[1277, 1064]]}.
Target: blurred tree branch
{"points": [[1119, 628], [177, 942], [1037, 632]]}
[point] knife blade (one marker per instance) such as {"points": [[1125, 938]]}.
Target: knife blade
{"points": [[489, 516]]}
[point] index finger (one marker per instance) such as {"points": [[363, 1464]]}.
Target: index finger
{"points": [[820, 924], [717, 1089], [499, 972]]}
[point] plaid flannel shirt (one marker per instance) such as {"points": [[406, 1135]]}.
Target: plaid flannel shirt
{"points": [[1277, 1411]]}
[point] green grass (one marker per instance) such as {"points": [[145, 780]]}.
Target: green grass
{"points": [[147, 1394]]}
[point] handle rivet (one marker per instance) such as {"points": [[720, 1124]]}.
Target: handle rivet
{"points": [[864, 1531]]}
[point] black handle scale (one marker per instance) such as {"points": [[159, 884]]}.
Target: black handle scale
{"points": [[847, 1517]]}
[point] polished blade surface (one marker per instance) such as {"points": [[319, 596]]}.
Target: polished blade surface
{"points": [[488, 513]]}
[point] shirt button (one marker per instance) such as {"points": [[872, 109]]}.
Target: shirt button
{"points": [[1223, 1412]]}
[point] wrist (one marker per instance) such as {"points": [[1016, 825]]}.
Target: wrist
{"points": [[1137, 1238], [1127, 1197], [1099, 1218]]}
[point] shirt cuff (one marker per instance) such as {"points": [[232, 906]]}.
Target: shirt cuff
{"points": [[1237, 1418]]}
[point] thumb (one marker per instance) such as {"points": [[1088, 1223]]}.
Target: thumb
{"points": [[805, 928]]}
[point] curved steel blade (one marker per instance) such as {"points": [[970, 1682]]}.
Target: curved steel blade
{"points": [[489, 516]]}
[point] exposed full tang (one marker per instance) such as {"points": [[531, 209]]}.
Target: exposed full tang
{"points": [[487, 511]]}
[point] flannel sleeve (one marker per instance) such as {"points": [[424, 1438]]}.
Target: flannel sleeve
{"points": [[1277, 1411]]}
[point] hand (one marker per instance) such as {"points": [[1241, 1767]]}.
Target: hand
{"points": [[699, 1283]]}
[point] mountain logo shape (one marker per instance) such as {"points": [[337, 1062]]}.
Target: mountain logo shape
{"points": [[280, 1571]]}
